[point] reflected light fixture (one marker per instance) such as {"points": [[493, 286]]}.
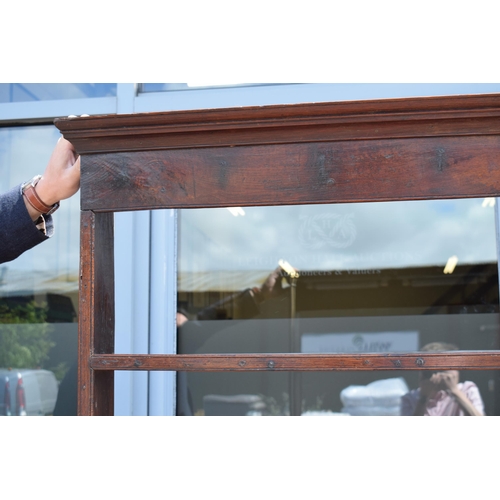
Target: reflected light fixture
{"points": [[288, 269], [236, 211], [488, 202], [450, 265]]}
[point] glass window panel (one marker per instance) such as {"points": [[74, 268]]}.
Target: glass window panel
{"points": [[165, 87], [354, 261], [300, 92], [327, 393], [39, 290], [372, 277], [22, 92]]}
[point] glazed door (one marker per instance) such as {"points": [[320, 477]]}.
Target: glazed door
{"points": [[324, 178]]}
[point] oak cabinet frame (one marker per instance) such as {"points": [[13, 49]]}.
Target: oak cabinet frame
{"points": [[360, 151]]}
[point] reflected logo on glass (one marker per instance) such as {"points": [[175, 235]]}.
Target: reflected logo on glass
{"points": [[363, 345], [327, 229]]}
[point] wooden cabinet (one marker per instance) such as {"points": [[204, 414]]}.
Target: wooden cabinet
{"points": [[394, 149]]}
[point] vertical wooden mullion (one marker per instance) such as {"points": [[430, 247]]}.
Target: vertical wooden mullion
{"points": [[96, 324]]}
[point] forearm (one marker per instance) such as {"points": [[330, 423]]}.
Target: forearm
{"points": [[34, 214], [466, 405], [242, 305], [18, 232]]}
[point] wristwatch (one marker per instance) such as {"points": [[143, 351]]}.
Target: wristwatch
{"points": [[28, 189]]}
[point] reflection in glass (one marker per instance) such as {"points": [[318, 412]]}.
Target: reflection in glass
{"points": [[372, 277], [22, 92], [39, 290], [324, 393], [165, 87]]}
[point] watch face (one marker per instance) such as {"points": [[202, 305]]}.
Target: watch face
{"points": [[35, 180]]}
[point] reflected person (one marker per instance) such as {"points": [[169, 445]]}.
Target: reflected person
{"points": [[441, 393], [246, 304]]}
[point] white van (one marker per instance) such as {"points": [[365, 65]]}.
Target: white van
{"points": [[25, 392]]}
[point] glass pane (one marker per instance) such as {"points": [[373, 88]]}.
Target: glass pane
{"points": [[330, 394], [165, 87], [22, 92], [39, 290], [343, 278], [325, 92]]}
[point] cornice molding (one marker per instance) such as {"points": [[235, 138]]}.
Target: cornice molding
{"points": [[284, 124]]}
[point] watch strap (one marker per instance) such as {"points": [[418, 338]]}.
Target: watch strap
{"points": [[29, 191]]}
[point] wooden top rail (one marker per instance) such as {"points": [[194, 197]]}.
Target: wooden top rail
{"points": [[296, 154]]}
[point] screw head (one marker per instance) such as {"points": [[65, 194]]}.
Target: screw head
{"points": [[420, 362]]}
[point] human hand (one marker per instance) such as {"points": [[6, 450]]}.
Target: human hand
{"points": [[272, 287], [439, 381], [447, 380], [180, 319], [61, 178]]}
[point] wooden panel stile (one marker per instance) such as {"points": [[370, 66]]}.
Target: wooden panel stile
{"points": [[96, 319]]}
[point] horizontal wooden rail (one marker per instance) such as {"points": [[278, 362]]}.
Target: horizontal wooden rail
{"points": [[431, 168], [457, 360]]}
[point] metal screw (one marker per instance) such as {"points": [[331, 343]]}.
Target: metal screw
{"points": [[270, 364], [397, 363], [420, 362], [242, 362], [137, 363]]}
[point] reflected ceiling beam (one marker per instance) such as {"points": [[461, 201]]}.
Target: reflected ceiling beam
{"points": [[445, 299]]}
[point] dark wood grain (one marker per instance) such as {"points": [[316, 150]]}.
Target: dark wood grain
{"points": [[340, 172], [96, 319], [484, 360]]}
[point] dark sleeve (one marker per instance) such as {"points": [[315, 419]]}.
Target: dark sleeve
{"points": [[242, 305], [67, 395], [18, 232], [409, 403]]}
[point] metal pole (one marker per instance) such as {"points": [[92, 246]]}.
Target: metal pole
{"points": [[294, 377]]}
